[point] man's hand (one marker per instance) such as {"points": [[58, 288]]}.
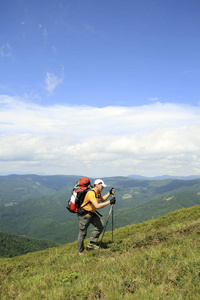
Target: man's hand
{"points": [[112, 201], [112, 191]]}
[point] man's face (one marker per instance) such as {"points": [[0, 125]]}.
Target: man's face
{"points": [[100, 188]]}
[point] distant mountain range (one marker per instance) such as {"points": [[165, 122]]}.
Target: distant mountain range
{"points": [[35, 206], [163, 177]]}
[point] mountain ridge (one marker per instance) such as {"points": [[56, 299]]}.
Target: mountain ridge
{"points": [[164, 177], [46, 217]]}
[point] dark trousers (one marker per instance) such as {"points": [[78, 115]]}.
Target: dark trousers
{"points": [[84, 222]]}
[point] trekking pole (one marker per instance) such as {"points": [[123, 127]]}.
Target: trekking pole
{"points": [[106, 224], [112, 221]]}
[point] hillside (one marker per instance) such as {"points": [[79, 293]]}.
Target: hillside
{"points": [[12, 245], [156, 207], [158, 259], [18, 188], [46, 217]]}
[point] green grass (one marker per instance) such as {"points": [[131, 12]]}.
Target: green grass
{"points": [[158, 259]]}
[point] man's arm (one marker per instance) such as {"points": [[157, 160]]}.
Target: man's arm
{"points": [[98, 205], [92, 199], [105, 197]]}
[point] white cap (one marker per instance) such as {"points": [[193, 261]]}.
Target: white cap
{"points": [[100, 181]]}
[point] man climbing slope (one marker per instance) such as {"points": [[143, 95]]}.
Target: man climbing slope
{"points": [[87, 214]]}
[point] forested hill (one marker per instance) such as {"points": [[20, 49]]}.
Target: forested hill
{"points": [[13, 245], [19, 188]]}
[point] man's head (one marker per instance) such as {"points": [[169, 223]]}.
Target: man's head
{"points": [[99, 184]]}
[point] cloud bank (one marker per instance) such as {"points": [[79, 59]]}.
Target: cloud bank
{"points": [[149, 140]]}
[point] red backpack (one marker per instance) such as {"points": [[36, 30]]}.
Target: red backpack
{"points": [[78, 194]]}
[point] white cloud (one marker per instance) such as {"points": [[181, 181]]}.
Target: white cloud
{"points": [[52, 81], [44, 33], [153, 99], [149, 140], [6, 50]]}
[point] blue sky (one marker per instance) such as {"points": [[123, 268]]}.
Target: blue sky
{"points": [[129, 69]]}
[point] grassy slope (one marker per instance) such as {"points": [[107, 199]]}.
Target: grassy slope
{"points": [[158, 259]]}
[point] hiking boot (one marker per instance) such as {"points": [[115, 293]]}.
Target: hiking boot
{"points": [[93, 246]]}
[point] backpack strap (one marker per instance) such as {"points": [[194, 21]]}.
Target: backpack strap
{"points": [[86, 204], [86, 193], [86, 211]]}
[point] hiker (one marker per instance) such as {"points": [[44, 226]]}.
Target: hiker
{"points": [[87, 214]]}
